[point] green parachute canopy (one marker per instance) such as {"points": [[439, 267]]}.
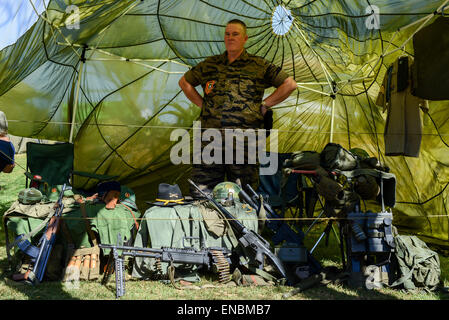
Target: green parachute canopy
{"points": [[104, 75]]}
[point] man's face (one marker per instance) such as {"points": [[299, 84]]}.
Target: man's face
{"points": [[235, 37]]}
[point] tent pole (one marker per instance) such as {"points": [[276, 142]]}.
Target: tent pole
{"points": [[78, 84], [332, 121]]}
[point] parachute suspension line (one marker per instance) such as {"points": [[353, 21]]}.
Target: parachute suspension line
{"points": [[103, 32], [55, 27], [331, 136], [372, 60], [78, 84], [120, 58], [314, 90], [326, 72], [333, 96], [379, 154], [143, 65], [294, 23]]}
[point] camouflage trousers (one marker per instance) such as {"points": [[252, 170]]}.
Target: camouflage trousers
{"points": [[207, 176]]}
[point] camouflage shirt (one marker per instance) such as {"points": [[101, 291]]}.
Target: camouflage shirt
{"points": [[233, 92]]}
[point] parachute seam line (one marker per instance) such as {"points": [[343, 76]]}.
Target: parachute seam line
{"points": [[306, 62], [370, 85], [131, 45], [347, 123], [381, 58], [92, 115], [105, 29], [436, 128], [283, 54], [37, 67], [229, 11], [177, 17], [325, 63], [255, 7], [163, 33], [306, 4], [52, 27], [336, 38], [316, 55], [266, 41], [275, 52], [267, 30], [58, 105], [293, 61], [374, 122], [424, 202], [136, 61], [114, 150], [49, 59]]}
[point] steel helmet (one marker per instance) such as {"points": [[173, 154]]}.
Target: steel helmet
{"points": [[30, 196], [225, 192]]}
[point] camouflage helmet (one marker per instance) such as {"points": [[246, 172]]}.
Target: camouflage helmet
{"points": [[223, 190], [30, 196]]}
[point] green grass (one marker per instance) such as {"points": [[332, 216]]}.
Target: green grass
{"points": [[329, 255]]}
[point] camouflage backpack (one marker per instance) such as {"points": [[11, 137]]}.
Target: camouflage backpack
{"points": [[419, 267]]}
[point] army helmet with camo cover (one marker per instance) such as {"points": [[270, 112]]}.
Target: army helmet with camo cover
{"points": [[226, 192], [30, 196]]}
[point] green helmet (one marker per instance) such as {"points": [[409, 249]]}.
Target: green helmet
{"points": [[30, 196], [226, 192]]}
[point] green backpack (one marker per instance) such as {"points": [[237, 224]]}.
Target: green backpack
{"points": [[419, 267]]}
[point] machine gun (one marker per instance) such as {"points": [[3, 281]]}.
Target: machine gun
{"points": [[248, 238], [40, 254], [282, 231], [215, 259]]}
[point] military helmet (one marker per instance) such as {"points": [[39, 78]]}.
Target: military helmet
{"points": [[30, 196], [226, 192]]}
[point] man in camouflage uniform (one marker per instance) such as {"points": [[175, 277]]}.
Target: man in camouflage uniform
{"points": [[233, 84]]}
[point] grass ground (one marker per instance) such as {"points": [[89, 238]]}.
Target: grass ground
{"points": [[153, 290]]}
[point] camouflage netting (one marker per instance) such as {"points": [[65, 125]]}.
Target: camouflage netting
{"points": [[115, 78]]}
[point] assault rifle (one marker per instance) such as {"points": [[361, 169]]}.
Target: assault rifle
{"points": [[248, 238], [282, 231], [216, 259], [40, 254]]}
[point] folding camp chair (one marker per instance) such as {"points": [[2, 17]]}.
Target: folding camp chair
{"points": [[48, 166], [53, 163]]}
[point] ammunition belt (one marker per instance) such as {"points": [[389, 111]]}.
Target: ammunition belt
{"points": [[221, 266]]}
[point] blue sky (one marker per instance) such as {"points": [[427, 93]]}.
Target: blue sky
{"points": [[16, 17]]}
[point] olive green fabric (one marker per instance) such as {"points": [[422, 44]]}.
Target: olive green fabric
{"points": [[419, 267], [184, 226], [108, 223], [129, 101], [54, 162]]}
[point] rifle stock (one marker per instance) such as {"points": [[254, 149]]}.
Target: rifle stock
{"points": [[40, 254]]}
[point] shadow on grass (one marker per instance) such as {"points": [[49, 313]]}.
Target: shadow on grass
{"points": [[47, 290]]}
